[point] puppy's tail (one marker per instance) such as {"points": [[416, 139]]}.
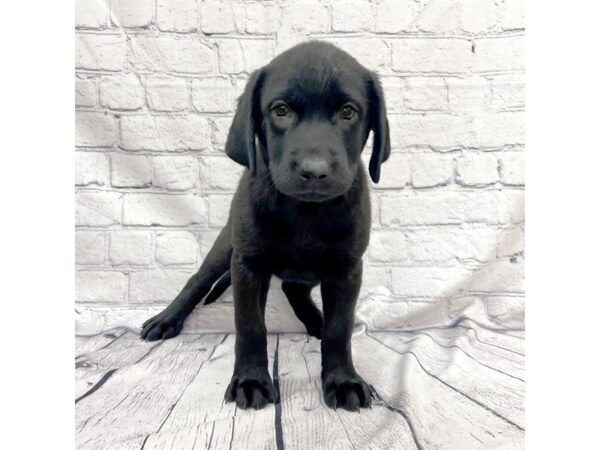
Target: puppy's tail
{"points": [[218, 288]]}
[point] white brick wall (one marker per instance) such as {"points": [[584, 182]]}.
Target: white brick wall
{"points": [[155, 89]]}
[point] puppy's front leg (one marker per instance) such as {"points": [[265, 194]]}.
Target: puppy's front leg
{"points": [[251, 385], [342, 386]]}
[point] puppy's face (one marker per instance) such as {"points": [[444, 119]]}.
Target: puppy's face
{"points": [[311, 110], [314, 126]]}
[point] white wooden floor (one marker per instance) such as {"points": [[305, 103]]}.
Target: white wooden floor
{"points": [[439, 388]]}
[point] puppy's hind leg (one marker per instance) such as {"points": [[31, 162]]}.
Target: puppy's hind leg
{"points": [[215, 266], [301, 301]]}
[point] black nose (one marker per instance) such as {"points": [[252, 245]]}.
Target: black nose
{"points": [[314, 169]]}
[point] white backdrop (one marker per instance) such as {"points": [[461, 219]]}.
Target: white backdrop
{"points": [[156, 83]]}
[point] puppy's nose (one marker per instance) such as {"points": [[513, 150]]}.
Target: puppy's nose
{"points": [[314, 169]]}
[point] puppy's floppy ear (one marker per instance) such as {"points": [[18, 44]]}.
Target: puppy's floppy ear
{"points": [[379, 124], [240, 141]]}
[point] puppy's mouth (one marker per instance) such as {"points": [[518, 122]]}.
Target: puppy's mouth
{"points": [[313, 197]]}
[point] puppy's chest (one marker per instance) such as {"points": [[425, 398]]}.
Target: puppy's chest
{"points": [[310, 243]]}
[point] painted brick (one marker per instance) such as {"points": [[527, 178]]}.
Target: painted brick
{"points": [[219, 206], [262, 18], [90, 14], [101, 287], [500, 129], [132, 13], [177, 15], [217, 16], [164, 209], [238, 56], [220, 130], [132, 247], [450, 244], [387, 246], [498, 54], [512, 168], [373, 278], [439, 131], [97, 209], [499, 276], [431, 55], [130, 170], [431, 170], [306, 17], [165, 132], [91, 169], [433, 282], [100, 51], [425, 208], [395, 172], [468, 94], [95, 129], [393, 91], [439, 16], [508, 91], [167, 94], [425, 94], [90, 247], [370, 52], [220, 172], [207, 240], [85, 92], [176, 247], [166, 54], [512, 14], [212, 95], [393, 16], [177, 173], [121, 92], [478, 16], [351, 15], [156, 285], [477, 169], [511, 241]]}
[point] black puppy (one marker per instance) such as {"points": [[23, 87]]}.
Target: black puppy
{"points": [[301, 212]]}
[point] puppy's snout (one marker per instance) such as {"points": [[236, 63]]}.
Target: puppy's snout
{"points": [[314, 169]]}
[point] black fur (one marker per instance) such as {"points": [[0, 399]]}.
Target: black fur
{"points": [[301, 212]]}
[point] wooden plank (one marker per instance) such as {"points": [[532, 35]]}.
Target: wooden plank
{"points": [[201, 419], [464, 339], [517, 333], [134, 401], [440, 415], [493, 389], [91, 343], [97, 366], [309, 424], [498, 339]]}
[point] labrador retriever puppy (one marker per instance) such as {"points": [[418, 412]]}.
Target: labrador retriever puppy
{"points": [[301, 212]]}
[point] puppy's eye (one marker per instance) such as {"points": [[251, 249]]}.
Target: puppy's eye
{"points": [[281, 110], [348, 112]]}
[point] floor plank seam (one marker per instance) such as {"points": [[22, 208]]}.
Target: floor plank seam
{"points": [[278, 425], [396, 410], [186, 388]]}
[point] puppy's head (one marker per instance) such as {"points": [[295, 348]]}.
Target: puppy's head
{"points": [[307, 116]]}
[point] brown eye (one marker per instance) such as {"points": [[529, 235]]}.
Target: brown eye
{"points": [[348, 112], [281, 110]]}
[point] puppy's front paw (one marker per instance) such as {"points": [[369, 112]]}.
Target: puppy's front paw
{"points": [[162, 326], [346, 390], [251, 389]]}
